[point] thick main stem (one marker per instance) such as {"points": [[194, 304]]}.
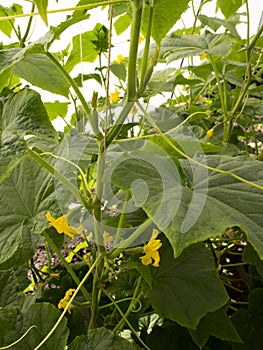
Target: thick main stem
{"points": [[135, 34]]}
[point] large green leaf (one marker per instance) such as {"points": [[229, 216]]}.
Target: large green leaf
{"points": [[40, 71], [26, 189], [218, 324], [42, 316], [10, 295], [26, 196], [189, 215], [166, 14], [177, 46], [177, 285], [100, 339], [20, 113]]}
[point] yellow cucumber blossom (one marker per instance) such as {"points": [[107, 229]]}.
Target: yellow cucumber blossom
{"points": [[209, 134], [151, 250], [115, 96], [62, 226], [203, 56], [120, 59], [64, 302]]}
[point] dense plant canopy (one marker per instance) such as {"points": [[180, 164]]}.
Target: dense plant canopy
{"points": [[147, 207]]}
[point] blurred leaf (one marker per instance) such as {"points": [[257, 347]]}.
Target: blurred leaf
{"points": [[56, 109], [7, 26], [122, 23], [42, 9], [100, 339], [229, 7], [119, 70]]}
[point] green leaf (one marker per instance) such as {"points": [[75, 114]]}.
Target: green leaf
{"points": [[188, 215], [42, 316], [10, 295], [21, 113], [177, 46], [7, 26], [170, 336], [84, 49], [56, 109], [250, 256], [26, 196], [101, 339], [122, 23], [178, 283], [217, 324], [40, 71], [42, 9], [166, 14], [119, 70], [229, 7], [249, 322], [83, 77]]}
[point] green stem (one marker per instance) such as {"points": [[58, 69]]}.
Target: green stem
{"points": [[67, 9], [67, 266], [221, 94], [135, 33], [119, 123], [80, 286], [120, 325], [18, 340], [74, 190], [146, 49], [125, 319], [92, 121], [130, 240], [122, 218], [23, 40], [248, 73]]}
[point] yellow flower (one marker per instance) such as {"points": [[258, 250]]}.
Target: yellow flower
{"points": [[151, 250], [141, 39], [107, 238], [62, 226], [209, 134], [115, 96], [64, 302], [203, 56], [120, 59]]}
